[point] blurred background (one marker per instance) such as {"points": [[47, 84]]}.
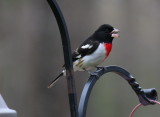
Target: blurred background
{"points": [[31, 55]]}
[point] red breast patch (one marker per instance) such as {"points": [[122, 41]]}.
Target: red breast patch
{"points": [[108, 47]]}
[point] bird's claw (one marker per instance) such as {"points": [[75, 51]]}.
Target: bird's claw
{"points": [[94, 74], [98, 68]]}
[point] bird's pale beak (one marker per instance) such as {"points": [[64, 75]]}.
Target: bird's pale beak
{"points": [[114, 33]]}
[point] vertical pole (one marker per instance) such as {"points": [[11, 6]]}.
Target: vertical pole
{"points": [[67, 57]]}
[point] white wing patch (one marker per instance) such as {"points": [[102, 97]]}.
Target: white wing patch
{"points": [[87, 46], [79, 56], [90, 61]]}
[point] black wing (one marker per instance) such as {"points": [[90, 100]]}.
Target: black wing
{"points": [[86, 48]]}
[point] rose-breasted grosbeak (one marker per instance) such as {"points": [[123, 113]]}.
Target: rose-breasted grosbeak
{"points": [[93, 50]]}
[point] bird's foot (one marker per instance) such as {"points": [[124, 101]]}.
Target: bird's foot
{"points": [[86, 70], [91, 73], [94, 74], [98, 68]]}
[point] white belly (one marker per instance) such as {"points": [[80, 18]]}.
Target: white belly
{"points": [[91, 61]]}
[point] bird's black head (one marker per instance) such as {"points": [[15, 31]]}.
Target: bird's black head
{"points": [[106, 33]]}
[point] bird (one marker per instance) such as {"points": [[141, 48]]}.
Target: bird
{"points": [[93, 51]]}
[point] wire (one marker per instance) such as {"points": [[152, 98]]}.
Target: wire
{"points": [[136, 107]]}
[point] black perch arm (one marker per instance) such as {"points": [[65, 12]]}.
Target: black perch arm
{"points": [[144, 95]]}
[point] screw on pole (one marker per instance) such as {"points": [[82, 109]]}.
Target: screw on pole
{"points": [[67, 56], [144, 95]]}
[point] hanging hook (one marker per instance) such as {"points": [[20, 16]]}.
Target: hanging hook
{"points": [[144, 95]]}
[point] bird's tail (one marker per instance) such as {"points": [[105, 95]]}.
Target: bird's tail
{"points": [[57, 78]]}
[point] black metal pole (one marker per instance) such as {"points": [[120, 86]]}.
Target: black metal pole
{"points": [[67, 57]]}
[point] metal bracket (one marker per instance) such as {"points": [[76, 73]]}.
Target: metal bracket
{"points": [[144, 95]]}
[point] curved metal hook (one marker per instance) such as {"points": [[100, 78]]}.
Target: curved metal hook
{"points": [[67, 56], [143, 94]]}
